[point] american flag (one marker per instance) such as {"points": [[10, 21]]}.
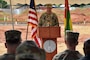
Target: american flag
{"points": [[33, 21]]}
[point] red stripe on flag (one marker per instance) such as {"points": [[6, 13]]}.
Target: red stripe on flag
{"points": [[32, 24], [34, 33], [31, 12], [35, 19], [36, 40]]}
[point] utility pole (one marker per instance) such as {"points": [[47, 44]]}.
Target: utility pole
{"points": [[11, 14]]}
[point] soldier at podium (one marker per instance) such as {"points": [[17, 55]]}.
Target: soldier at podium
{"points": [[48, 18], [71, 41]]}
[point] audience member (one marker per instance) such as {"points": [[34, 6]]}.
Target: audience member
{"points": [[13, 39], [86, 50], [28, 50], [71, 41]]}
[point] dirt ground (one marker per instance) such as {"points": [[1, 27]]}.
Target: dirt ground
{"points": [[84, 31]]}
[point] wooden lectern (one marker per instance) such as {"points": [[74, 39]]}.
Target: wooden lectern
{"points": [[49, 36]]}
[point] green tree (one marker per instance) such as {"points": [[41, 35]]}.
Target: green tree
{"points": [[75, 5], [3, 4], [88, 4], [82, 5]]}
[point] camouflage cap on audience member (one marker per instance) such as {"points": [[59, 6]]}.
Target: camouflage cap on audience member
{"points": [[29, 50], [49, 5], [72, 36], [13, 36]]}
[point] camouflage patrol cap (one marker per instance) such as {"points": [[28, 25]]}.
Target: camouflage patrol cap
{"points": [[13, 36], [49, 5], [71, 36], [29, 50]]}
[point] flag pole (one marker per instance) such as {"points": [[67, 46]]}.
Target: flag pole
{"points": [[27, 31], [11, 14]]}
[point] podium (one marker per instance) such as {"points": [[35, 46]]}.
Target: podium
{"points": [[48, 37]]}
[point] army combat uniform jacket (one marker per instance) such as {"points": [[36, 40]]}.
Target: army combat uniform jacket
{"points": [[87, 57], [68, 55], [7, 57], [48, 20]]}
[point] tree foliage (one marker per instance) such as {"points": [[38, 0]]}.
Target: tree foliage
{"points": [[75, 5], [88, 4], [3, 4], [82, 5]]}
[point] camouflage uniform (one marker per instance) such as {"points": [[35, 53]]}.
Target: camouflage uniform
{"points": [[48, 19], [7, 57], [69, 54], [29, 50], [12, 37]]}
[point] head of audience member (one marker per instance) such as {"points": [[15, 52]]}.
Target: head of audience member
{"points": [[13, 39], [86, 47], [28, 50], [49, 8], [71, 39]]}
